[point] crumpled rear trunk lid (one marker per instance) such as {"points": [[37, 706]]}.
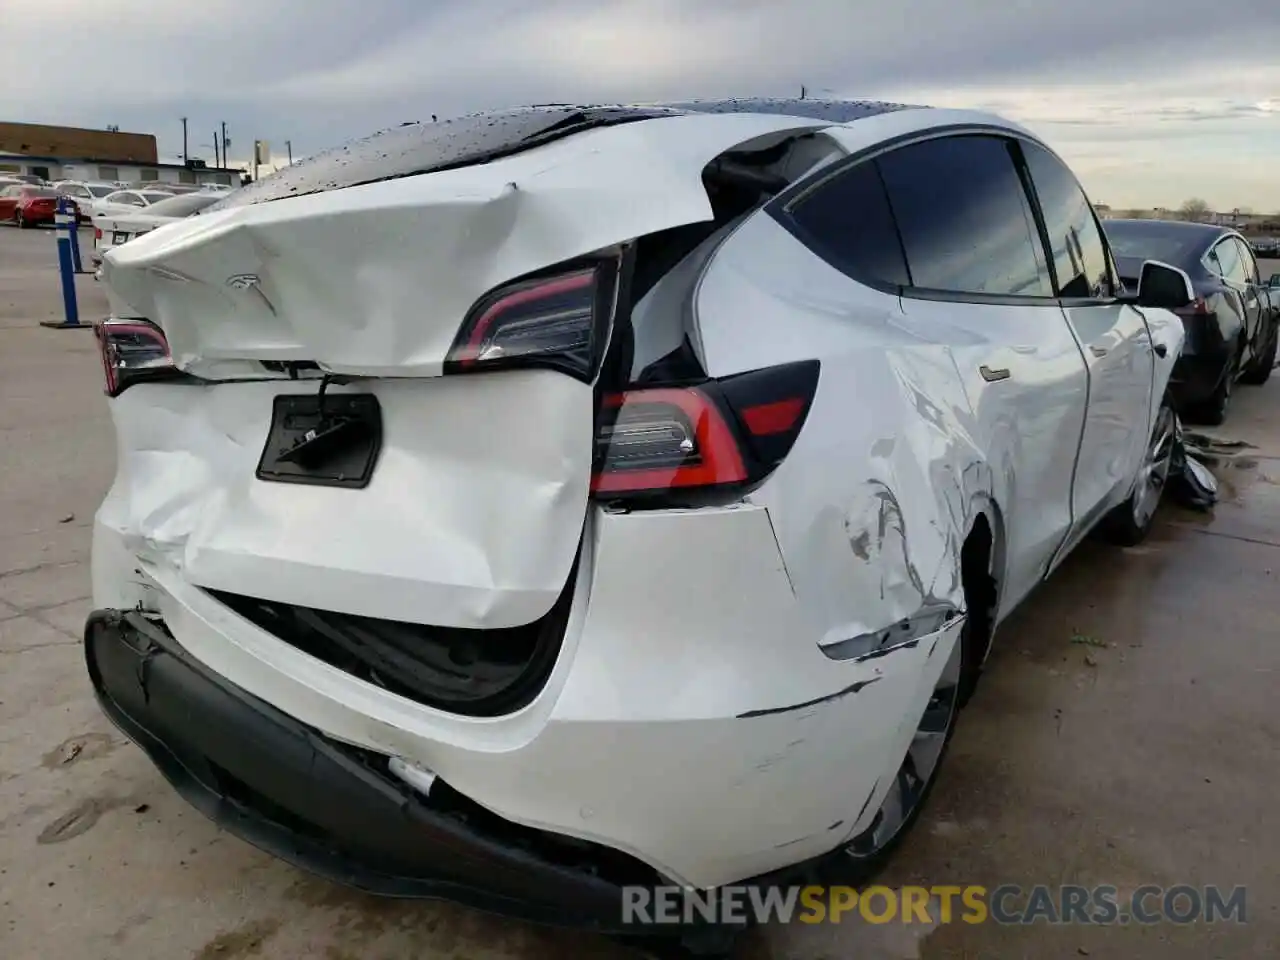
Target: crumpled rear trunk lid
{"points": [[472, 515]]}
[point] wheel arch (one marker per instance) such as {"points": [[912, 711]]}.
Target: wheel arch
{"points": [[982, 565]]}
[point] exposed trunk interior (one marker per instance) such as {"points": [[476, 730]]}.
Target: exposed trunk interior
{"points": [[479, 673]]}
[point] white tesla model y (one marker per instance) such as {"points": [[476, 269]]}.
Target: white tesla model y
{"points": [[523, 506]]}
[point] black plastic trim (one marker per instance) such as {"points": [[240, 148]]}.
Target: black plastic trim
{"points": [[302, 797], [353, 473]]}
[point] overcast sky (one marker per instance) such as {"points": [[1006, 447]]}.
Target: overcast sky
{"points": [[1153, 101]]}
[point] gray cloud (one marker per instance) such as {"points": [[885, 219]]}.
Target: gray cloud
{"points": [[320, 71]]}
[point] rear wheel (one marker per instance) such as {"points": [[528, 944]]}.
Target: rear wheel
{"points": [[864, 856], [1129, 524], [1259, 369]]}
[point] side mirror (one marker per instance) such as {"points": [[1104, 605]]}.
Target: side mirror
{"points": [[1274, 280], [1162, 287]]}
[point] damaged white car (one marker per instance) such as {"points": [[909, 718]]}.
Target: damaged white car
{"points": [[519, 507]]}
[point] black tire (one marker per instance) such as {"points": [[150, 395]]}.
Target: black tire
{"points": [[852, 867], [1128, 524], [1259, 369]]}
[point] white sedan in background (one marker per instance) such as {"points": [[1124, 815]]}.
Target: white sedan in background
{"points": [[85, 193], [126, 201], [116, 227]]}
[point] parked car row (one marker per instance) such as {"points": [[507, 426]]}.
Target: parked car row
{"points": [[25, 205], [119, 225], [1266, 246]]}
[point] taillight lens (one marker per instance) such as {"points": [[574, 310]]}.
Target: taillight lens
{"points": [[722, 434], [663, 439], [131, 350], [97, 233], [559, 320]]}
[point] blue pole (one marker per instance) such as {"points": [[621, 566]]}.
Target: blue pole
{"points": [[64, 223], [74, 234]]}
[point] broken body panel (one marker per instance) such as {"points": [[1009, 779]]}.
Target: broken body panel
{"points": [[731, 662]]}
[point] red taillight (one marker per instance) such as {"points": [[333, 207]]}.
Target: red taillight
{"points": [[1198, 307], [725, 433], [766, 419], [131, 349], [97, 233], [559, 320], [663, 439]]}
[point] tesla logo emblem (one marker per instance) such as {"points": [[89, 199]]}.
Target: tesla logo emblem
{"points": [[242, 281]]}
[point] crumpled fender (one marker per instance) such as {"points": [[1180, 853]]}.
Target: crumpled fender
{"points": [[872, 538], [375, 280]]}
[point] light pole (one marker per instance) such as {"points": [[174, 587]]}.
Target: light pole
{"points": [[184, 140], [288, 145]]}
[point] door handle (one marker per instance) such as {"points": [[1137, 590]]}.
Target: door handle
{"points": [[1097, 351], [991, 376], [1161, 350]]}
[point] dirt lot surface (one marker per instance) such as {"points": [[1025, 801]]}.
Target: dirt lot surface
{"points": [[1144, 752]]}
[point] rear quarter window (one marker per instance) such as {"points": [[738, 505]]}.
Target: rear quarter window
{"points": [[847, 221]]}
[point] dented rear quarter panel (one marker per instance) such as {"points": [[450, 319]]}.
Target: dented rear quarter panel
{"points": [[873, 503]]}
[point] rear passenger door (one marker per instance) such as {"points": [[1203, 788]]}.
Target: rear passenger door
{"points": [[1257, 302], [1114, 338], [1223, 259], [979, 281]]}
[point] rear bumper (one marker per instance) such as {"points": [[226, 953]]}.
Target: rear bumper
{"points": [[301, 796], [1196, 376], [690, 723]]}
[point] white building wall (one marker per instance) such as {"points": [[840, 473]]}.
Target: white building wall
{"points": [[123, 172]]}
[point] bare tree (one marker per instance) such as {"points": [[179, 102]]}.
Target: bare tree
{"points": [[1193, 209]]}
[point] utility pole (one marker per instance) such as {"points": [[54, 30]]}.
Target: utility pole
{"points": [[225, 144], [288, 145], [802, 91], [217, 156], [184, 140]]}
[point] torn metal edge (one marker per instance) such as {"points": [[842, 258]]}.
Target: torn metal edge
{"points": [[925, 622]]}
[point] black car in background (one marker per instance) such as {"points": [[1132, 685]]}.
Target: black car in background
{"points": [[1232, 325]]}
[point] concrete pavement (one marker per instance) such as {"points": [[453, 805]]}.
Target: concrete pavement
{"points": [[1145, 754]]}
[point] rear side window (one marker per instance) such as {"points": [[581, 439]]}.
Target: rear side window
{"points": [[1229, 264], [847, 221], [964, 217], [1079, 252], [1247, 262]]}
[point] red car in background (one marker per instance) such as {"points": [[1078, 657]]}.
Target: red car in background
{"points": [[28, 206]]}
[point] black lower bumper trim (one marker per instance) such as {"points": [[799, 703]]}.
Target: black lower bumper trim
{"points": [[1196, 376], [317, 804]]}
